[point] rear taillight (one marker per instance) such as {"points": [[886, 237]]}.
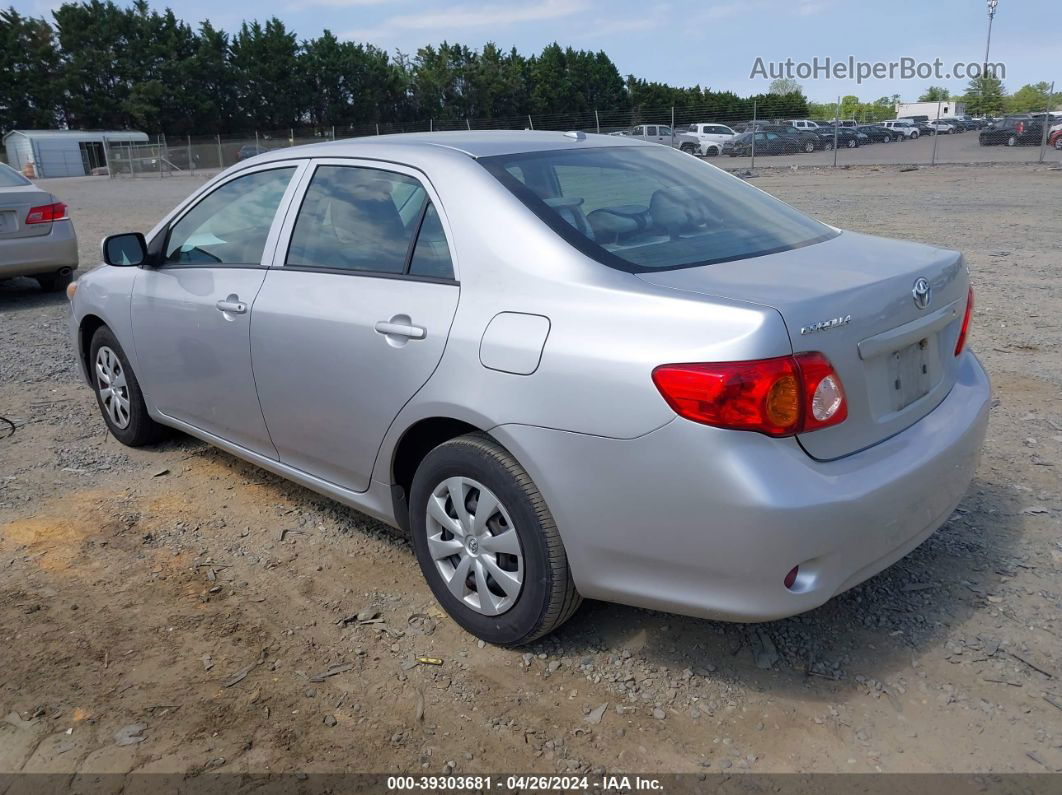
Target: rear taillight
{"points": [[778, 397], [961, 342], [46, 213]]}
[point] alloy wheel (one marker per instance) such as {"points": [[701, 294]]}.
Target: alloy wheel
{"points": [[474, 545], [112, 386]]}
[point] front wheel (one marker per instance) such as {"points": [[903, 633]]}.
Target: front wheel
{"points": [[688, 149], [827, 146], [1058, 142], [118, 393], [809, 146], [1012, 141], [915, 134], [487, 543], [852, 144]]}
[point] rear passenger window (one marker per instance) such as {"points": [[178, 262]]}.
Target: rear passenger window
{"points": [[231, 224], [357, 219], [369, 220]]}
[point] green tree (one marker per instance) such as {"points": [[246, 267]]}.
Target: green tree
{"points": [[935, 94], [1031, 97], [984, 95], [270, 90], [29, 62], [785, 85]]}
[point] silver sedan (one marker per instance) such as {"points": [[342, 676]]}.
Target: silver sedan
{"points": [[36, 234], [568, 365]]}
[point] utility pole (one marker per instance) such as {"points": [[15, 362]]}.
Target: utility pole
{"points": [[988, 43]]}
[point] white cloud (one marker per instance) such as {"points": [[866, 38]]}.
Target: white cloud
{"points": [[467, 16]]}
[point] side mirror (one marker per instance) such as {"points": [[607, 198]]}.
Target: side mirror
{"points": [[125, 250]]}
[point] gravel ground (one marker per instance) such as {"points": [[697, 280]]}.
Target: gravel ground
{"points": [[174, 609]]}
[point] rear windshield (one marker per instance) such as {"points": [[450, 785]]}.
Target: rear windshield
{"points": [[9, 178], [652, 208]]}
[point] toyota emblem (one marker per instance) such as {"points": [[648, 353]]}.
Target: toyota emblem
{"points": [[922, 292]]}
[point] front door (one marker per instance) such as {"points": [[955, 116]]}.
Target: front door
{"points": [[353, 319], [191, 311]]}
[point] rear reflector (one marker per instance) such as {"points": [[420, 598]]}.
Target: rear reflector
{"points": [[778, 397], [46, 213], [961, 343]]}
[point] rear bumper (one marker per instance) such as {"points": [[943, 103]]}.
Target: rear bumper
{"points": [[706, 522], [28, 256]]}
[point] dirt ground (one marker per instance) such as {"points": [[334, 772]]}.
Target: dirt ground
{"points": [[174, 609]]}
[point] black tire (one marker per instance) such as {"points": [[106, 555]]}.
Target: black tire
{"points": [[54, 282], [915, 134], [141, 429], [1058, 142], [809, 146], [547, 597], [827, 146], [852, 143], [1012, 140]]}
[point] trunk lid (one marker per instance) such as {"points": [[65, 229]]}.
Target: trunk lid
{"points": [[15, 204], [852, 299]]}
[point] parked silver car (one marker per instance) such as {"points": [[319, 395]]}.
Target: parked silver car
{"points": [[568, 365], [36, 235]]}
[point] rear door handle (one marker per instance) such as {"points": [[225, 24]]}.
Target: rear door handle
{"points": [[231, 306], [392, 329]]}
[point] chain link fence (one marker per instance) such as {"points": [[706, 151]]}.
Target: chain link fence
{"points": [[737, 140]]}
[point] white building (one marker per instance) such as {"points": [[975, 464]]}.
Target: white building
{"points": [[947, 108], [63, 153]]}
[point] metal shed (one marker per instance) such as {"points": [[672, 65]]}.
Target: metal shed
{"points": [[64, 153]]}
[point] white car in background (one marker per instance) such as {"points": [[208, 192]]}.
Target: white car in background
{"points": [[907, 128], [704, 138], [941, 127], [803, 124]]}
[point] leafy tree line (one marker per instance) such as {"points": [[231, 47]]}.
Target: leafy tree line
{"points": [[98, 65]]}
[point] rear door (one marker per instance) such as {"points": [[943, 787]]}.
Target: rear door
{"points": [[353, 318]]}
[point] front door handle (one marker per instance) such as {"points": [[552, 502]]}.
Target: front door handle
{"points": [[391, 329], [231, 305]]}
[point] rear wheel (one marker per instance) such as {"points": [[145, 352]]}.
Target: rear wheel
{"points": [[118, 393], [487, 544], [54, 282], [809, 146], [1012, 140], [827, 146], [1058, 142], [915, 134], [689, 149], [853, 143]]}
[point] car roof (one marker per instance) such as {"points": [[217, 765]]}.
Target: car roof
{"points": [[416, 147]]}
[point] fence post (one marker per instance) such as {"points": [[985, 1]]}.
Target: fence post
{"points": [[291, 136], [191, 157], [221, 162], [836, 125], [468, 123], [753, 164], [597, 121], [377, 128], [107, 157], [936, 135], [530, 123], [158, 143], [333, 132], [1047, 123], [672, 125]]}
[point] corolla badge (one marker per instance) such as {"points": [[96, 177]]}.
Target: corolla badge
{"points": [[922, 292], [826, 325]]}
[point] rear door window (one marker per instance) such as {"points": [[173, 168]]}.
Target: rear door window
{"points": [[369, 220]]}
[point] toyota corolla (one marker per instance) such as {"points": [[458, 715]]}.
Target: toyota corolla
{"points": [[569, 366]]}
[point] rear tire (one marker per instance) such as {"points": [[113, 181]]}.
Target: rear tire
{"points": [[54, 282], [538, 593], [118, 393]]}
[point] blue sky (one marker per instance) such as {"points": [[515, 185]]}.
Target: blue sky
{"points": [[713, 44]]}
